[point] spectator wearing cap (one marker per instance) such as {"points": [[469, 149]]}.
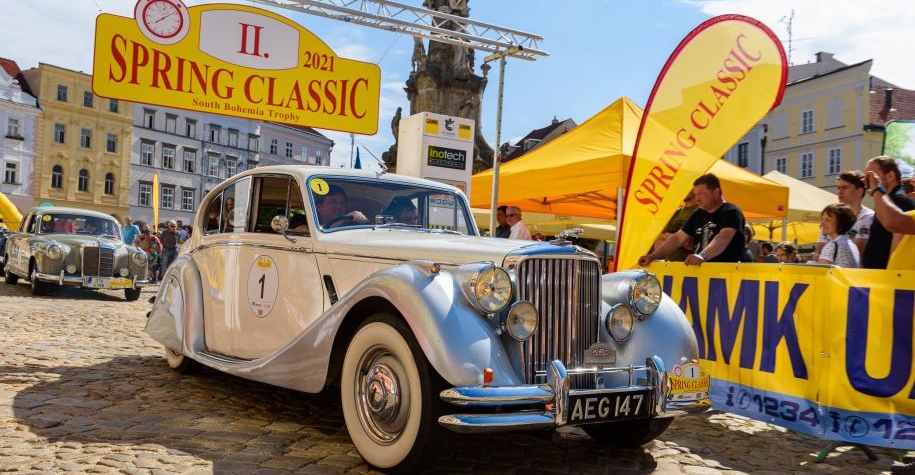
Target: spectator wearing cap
{"points": [[169, 237]]}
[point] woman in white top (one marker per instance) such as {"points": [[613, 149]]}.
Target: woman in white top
{"points": [[836, 220]]}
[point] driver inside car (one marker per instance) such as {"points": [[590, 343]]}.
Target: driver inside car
{"points": [[332, 209]]}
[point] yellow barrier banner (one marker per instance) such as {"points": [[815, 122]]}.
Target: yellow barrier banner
{"points": [[822, 351], [233, 60], [722, 79]]}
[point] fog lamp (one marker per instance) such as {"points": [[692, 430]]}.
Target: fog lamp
{"points": [[619, 322], [522, 320]]}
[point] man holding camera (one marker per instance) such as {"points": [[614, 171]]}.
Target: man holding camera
{"points": [[884, 179]]}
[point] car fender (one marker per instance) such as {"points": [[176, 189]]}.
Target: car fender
{"points": [[179, 298]]}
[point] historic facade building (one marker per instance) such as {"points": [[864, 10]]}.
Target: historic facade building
{"points": [[82, 143], [283, 144], [831, 119], [19, 114]]}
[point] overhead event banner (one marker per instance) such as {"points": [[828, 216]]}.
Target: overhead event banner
{"points": [[823, 351], [724, 77], [233, 60]]}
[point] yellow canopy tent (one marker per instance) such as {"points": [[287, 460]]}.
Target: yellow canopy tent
{"points": [[805, 203], [580, 172], [552, 224]]}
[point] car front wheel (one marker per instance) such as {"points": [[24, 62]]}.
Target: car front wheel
{"points": [[389, 396], [180, 363], [11, 279], [132, 294], [38, 287]]}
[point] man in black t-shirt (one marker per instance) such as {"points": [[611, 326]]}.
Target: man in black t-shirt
{"points": [[716, 228], [877, 250]]}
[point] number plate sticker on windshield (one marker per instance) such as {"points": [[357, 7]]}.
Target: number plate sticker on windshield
{"points": [[589, 408]]}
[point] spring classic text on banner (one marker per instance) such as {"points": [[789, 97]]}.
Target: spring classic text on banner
{"points": [[826, 352], [719, 82]]}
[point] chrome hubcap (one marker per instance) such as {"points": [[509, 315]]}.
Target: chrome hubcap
{"points": [[382, 403]]}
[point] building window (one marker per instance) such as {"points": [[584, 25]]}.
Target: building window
{"points": [[233, 138], [254, 142], [60, 133], [113, 105], [288, 149], [61, 93], [11, 172], [171, 122], [145, 196], [806, 165], [85, 138], [146, 153], [87, 98], [274, 145], [214, 133], [12, 128], [112, 144], [83, 183], [304, 154], [168, 197], [187, 199], [807, 121], [190, 128], [57, 177], [190, 158], [213, 164], [149, 118], [835, 161], [743, 154], [231, 166], [318, 157], [781, 164], [168, 157], [109, 184]]}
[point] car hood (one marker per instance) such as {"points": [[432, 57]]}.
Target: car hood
{"points": [[409, 244], [76, 241]]}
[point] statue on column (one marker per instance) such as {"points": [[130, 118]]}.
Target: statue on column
{"points": [[443, 81]]}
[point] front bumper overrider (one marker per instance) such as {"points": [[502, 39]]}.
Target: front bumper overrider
{"points": [[554, 398]]}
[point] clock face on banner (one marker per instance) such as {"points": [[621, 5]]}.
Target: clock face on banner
{"points": [[162, 21]]}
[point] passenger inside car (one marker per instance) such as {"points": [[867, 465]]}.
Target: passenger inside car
{"points": [[402, 210]]}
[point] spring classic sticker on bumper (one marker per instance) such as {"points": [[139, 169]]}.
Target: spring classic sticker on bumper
{"points": [[688, 383]]}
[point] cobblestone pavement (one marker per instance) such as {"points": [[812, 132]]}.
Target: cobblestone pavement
{"points": [[84, 390]]}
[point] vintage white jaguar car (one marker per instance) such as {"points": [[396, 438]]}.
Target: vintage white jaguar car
{"points": [[380, 284], [59, 246]]}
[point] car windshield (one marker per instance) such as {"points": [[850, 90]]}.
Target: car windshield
{"points": [[347, 202], [62, 223]]}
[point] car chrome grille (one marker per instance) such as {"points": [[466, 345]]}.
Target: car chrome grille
{"points": [[98, 261], [566, 292]]}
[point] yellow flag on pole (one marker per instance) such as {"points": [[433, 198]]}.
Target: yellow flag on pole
{"points": [[155, 202], [724, 77]]}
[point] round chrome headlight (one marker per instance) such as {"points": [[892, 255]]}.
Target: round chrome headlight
{"points": [[619, 322], [54, 252], [522, 320], [645, 295], [139, 258], [492, 289]]}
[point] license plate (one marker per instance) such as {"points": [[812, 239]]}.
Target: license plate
{"points": [[108, 282], [604, 407]]}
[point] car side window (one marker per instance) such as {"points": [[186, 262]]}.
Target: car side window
{"points": [[279, 196], [213, 216], [236, 199]]}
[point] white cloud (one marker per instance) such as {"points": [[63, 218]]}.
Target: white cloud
{"points": [[853, 30]]}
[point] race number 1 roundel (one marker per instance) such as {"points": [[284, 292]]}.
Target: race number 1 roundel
{"points": [[262, 285]]}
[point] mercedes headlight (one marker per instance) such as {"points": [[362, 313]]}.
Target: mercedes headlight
{"points": [[645, 295], [522, 320], [139, 258], [54, 252], [619, 322], [491, 288]]}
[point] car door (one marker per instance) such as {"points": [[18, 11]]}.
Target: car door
{"points": [[279, 288], [17, 246]]}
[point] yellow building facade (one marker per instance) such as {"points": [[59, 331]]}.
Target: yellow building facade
{"points": [[83, 143], [823, 126]]}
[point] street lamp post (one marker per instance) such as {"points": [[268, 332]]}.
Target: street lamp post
{"points": [[494, 206]]}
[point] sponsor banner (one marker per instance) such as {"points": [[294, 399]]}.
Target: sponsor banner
{"points": [[722, 79], [446, 157], [780, 340], [233, 60]]}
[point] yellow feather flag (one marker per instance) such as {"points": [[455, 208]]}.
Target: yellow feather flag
{"points": [[724, 77], [155, 202]]}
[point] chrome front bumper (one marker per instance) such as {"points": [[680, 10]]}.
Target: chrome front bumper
{"points": [[554, 397], [77, 280]]}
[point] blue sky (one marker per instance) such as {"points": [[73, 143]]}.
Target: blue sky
{"points": [[598, 50]]}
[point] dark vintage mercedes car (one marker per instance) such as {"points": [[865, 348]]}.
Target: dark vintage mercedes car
{"points": [[380, 286], [58, 246]]}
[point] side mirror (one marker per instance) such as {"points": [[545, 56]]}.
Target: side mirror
{"points": [[279, 224]]}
